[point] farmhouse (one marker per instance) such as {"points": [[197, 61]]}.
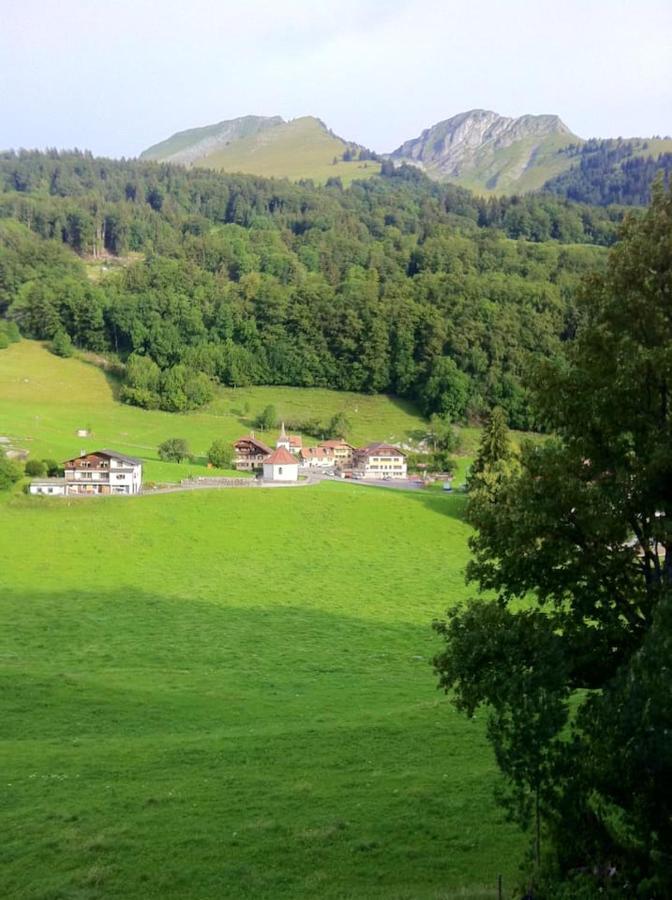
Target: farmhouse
{"points": [[101, 472], [281, 466], [381, 460], [250, 453]]}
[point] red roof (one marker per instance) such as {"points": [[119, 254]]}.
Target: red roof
{"points": [[295, 440], [280, 457]]}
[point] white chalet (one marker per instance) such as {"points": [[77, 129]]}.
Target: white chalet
{"points": [[381, 461], [101, 472]]}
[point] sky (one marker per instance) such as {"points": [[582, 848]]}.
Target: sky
{"points": [[115, 76]]}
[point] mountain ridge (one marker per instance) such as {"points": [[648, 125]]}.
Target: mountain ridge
{"points": [[479, 149]]}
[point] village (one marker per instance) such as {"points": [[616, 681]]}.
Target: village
{"points": [[106, 472]]}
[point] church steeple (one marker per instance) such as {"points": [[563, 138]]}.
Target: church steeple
{"points": [[283, 440]]}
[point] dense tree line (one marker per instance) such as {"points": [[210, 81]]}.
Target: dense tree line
{"points": [[396, 284], [606, 172]]}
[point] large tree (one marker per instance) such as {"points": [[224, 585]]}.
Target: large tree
{"points": [[574, 653]]}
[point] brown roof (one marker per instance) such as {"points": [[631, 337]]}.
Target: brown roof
{"points": [[295, 440], [280, 457], [109, 454], [376, 449], [332, 445], [252, 440]]}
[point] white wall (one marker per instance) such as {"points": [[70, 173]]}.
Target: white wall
{"points": [[284, 472]]}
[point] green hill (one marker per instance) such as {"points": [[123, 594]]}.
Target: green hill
{"points": [[300, 149]]}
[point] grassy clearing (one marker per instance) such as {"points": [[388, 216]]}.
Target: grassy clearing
{"points": [[44, 400], [229, 694]]}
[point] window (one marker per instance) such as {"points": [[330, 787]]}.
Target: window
{"points": [[279, 470]]}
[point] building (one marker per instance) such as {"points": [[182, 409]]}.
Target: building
{"points": [[51, 487], [381, 461], [103, 472], [316, 458], [250, 453], [342, 452], [281, 466], [291, 442], [89, 474]]}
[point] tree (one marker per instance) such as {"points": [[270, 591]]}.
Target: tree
{"points": [[339, 426], [10, 472], [174, 450], [581, 531], [442, 434], [36, 468], [495, 454], [61, 345], [54, 469], [267, 419], [221, 455]]}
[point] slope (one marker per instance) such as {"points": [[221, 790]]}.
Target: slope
{"points": [[484, 151], [303, 148]]}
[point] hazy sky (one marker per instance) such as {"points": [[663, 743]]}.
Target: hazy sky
{"points": [[114, 76]]}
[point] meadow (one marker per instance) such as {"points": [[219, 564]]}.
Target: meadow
{"points": [[230, 694]]}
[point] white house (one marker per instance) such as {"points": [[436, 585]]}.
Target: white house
{"points": [[51, 487], [102, 472], [316, 458], [381, 461], [281, 466]]}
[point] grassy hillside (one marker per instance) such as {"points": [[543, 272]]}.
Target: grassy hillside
{"points": [[302, 148], [229, 694], [44, 400]]}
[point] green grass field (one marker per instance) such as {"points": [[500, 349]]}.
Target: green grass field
{"points": [[229, 694], [44, 400]]}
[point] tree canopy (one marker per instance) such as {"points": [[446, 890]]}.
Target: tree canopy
{"points": [[572, 656]]}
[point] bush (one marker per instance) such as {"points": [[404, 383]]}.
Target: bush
{"points": [[266, 419], [54, 469], [36, 468], [174, 450], [4, 341], [61, 344], [221, 455], [10, 473]]}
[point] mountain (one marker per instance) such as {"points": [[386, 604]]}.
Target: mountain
{"points": [[269, 146], [482, 150]]}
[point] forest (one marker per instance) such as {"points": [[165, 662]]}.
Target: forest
{"points": [[397, 284], [608, 172]]}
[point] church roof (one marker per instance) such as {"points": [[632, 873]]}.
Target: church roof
{"points": [[280, 457]]}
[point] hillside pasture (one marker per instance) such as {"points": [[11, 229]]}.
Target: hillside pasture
{"points": [[229, 694]]}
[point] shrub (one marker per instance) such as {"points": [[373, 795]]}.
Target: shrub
{"points": [[174, 450], [61, 344], [10, 473], [220, 455], [36, 468]]}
